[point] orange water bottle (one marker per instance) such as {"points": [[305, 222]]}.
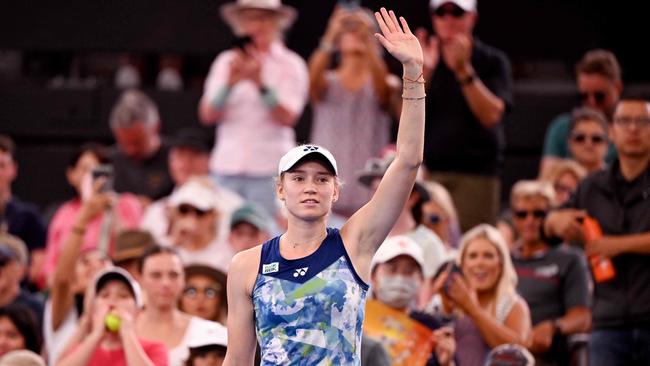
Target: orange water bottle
{"points": [[601, 266]]}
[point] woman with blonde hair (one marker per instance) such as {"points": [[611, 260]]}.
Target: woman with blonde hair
{"points": [[564, 175], [481, 290], [439, 214]]}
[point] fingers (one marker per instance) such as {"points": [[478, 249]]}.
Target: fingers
{"points": [[387, 19], [382, 24], [405, 25], [395, 22]]}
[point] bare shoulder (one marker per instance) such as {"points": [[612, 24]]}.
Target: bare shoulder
{"points": [[245, 264], [519, 317]]}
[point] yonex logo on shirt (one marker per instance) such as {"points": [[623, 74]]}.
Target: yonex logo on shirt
{"points": [[300, 272]]}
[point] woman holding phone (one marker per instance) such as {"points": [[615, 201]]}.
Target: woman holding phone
{"points": [[303, 292], [480, 289]]}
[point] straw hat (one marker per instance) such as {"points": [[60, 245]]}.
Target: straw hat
{"points": [[230, 12]]}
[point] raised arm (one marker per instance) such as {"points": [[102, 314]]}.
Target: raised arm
{"points": [[62, 295], [241, 325], [367, 228]]}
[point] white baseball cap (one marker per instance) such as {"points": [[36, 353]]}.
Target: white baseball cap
{"points": [[119, 274], [467, 5], [296, 154], [198, 193], [210, 334], [395, 246]]}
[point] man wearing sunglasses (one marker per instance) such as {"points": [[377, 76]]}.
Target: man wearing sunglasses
{"points": [[599, 86], [587, 138], [619, 199], [552, 279], [469, 90]]}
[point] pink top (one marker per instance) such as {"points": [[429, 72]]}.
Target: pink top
{"points": [[128, 210], [156, 351], [249, 142]]}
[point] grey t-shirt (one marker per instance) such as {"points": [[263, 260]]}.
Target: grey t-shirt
{"points": [[553, 282]]}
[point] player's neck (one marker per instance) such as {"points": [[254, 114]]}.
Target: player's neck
{"points": [[304, 236]]}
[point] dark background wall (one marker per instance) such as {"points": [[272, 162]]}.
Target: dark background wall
{"points": [[543, 39]]}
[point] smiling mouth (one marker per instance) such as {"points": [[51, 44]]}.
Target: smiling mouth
{"points": [[310, 200]]}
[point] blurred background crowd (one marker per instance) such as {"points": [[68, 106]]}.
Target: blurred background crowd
{"points": [[139, 146]]}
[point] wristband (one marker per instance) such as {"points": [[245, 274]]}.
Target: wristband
{"points": [[269, 97], [221, 97]]}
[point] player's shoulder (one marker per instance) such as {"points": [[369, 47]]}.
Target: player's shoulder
{"points": [[248, 259]]}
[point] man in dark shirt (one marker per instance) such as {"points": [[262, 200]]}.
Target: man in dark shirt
{"points": [[19, 218], [619, 199], [553, 280], [469, 89], [140, 156]]}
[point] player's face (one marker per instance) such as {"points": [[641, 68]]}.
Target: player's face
{"points": [[308, 191]]}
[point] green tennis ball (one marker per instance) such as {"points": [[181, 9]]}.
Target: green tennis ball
{"points": [[112, 322]]}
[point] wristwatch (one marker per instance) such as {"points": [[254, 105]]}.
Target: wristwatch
{"points": [[468, 80]]}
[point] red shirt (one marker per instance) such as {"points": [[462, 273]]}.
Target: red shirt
{"points": [[156, 351]]}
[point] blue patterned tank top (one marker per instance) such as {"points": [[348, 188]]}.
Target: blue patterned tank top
{"points": [[309, 311]]}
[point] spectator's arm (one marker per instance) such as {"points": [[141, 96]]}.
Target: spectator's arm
{"points": [[611, 246], [319, 62], [61, 294], [576, 320], [577, 297], [485, 105], [216, 90], [82, 352], [515, 329]]}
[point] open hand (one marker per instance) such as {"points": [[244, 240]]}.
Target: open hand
{"points": [[400, 42]]}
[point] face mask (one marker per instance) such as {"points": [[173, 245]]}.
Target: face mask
{"points": [[397, 291]]}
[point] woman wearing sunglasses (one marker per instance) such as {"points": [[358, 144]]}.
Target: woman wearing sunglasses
{"points": [[588, 138]]}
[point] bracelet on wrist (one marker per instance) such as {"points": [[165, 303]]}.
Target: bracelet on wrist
{"points": [[414, 98], [419, 79], [469, 79]]}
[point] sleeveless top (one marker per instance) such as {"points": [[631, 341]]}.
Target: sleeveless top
{"points": [[469, 337], [309, 311]]}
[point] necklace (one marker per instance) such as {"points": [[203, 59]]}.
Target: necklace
{"points": [[320, 239]]}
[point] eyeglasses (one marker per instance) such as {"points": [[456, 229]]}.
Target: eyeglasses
{"points": [[599, 96], [186, 209], [208, 292], [628, 121], [522, 214], [582, 137], [454, 11]]}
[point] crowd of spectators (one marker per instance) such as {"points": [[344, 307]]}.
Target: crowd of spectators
{"points": [[133, 268]]}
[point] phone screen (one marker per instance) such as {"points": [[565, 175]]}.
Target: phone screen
{"points": [[105, 171]]}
